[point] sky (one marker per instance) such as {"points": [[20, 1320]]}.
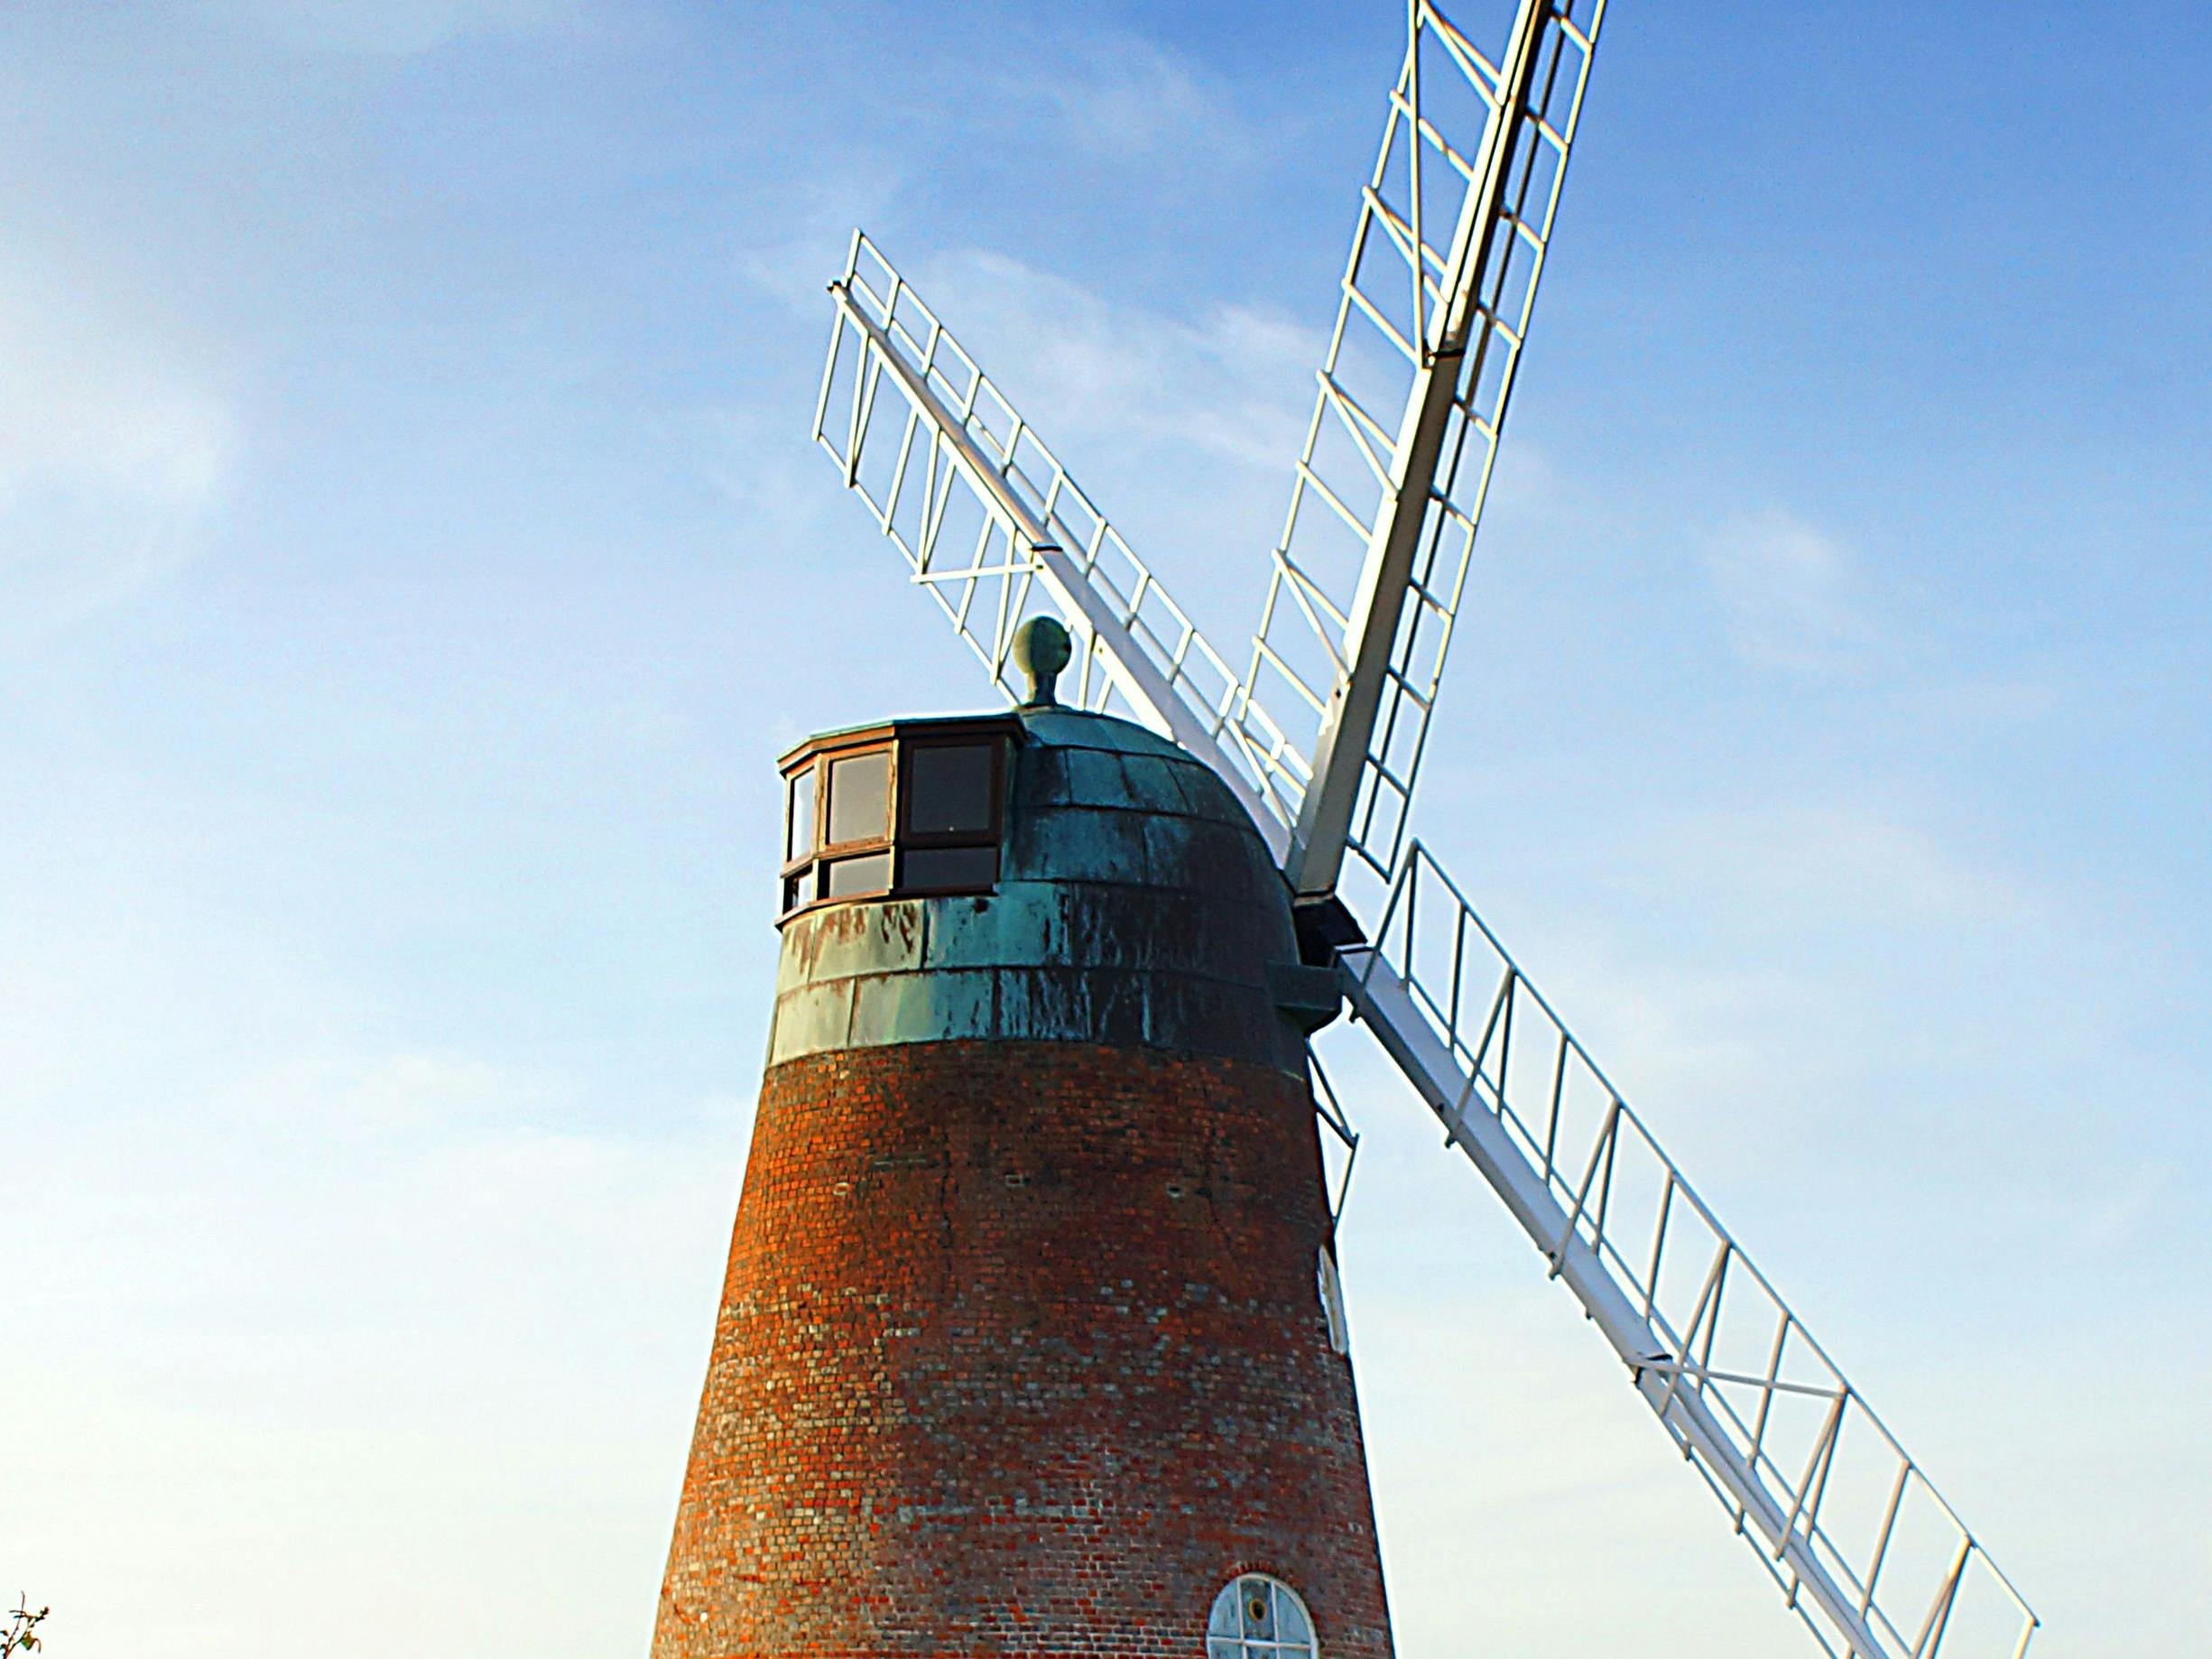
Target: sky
{"points": [[413, 559]]}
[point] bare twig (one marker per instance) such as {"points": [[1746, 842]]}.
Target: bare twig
{"points": [[21, 1635]]}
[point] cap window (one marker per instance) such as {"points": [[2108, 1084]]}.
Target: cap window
{"points": [[900, 811]]}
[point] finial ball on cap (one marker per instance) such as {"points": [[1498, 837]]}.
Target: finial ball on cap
{"points": [[1040, 650]]}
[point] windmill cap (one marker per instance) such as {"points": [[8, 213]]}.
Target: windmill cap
{"points": [[1041, 648], [1133, 904]]}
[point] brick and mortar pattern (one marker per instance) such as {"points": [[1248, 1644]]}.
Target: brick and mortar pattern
{"points": [[1020, 1352]]}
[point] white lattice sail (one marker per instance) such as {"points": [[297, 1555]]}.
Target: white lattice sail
{"points": [[1842, 1517], [1368, 576]]}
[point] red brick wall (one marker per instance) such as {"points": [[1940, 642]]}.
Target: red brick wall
{"points": [[1020, 1352]]}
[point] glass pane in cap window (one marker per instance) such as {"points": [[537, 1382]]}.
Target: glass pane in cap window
{"points": [[948, 789], [860, 797], [870, 873], [798, 819]]}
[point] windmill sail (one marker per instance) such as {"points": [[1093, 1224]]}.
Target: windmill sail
{"points": [[982, 512], [1433, 308], [1842, 1517]]}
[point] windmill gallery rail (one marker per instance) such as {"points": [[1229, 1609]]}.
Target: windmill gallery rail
{"points": [[1320, 740]]}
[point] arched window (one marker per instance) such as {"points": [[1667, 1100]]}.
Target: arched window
{"points": [[1259, 1617]]}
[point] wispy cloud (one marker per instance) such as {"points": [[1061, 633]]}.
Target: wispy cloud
{"points": [[309, 1291], [1231, 380], [1789, 592], [392, 28], [803, 236], [1804, 864], [2113, 1203], [1181, 428], [1514, 1468], [328, 1342], [1128, 98], [111, 452], [763, 469]]}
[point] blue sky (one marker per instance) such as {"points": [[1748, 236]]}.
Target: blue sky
{"points": [[411, 561]]}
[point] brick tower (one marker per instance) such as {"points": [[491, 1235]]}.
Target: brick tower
{"points": [[1027, 1343]]}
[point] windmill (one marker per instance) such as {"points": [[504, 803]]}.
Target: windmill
{"points": [[1320, 736]]}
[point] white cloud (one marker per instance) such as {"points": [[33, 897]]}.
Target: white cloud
{"points": [[780, 491], [112, 450], [804, 236], [2116, 1204], [255, 1360], [1808, 864], [392, 28], [1528, 1502], [290, 1303], [1234, 380], [1127, 98], [1527, 1498], [1789, 590]]}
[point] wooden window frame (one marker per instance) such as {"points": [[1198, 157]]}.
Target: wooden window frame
{"points": [[804, 876]]}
